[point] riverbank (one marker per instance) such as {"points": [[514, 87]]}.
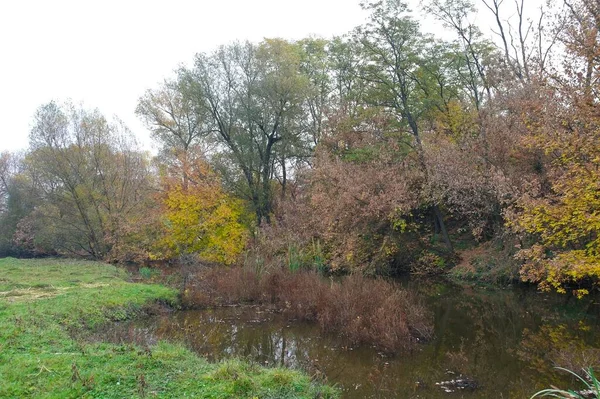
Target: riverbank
{"points": [[46, 304], [491, 342]]}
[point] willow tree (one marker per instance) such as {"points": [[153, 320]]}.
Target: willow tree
{"points": [[91, 180], [252, 96]]}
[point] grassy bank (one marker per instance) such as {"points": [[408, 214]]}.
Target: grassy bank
{"points": [[46, 304]]}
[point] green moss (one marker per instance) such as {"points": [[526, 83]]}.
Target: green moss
{"points": [[44, 304]]}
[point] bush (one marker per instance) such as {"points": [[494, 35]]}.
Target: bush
{"points": [[148, 273]]}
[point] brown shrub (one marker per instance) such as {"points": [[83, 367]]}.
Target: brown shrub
{"points": [[214, 287], [363, 310]]}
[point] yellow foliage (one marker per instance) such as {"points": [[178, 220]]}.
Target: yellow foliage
{"points": [[567, 221], [204, 220], [456, 121]]}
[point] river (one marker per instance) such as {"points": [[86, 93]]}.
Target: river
{"points": [[499, 343]]}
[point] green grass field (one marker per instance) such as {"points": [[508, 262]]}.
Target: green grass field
{"points": [[46, 304]]}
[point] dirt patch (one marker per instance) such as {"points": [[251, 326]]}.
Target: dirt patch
{"points": [[30, 294], [491, 262], [468, 256], [40, 292], [94, 285]]}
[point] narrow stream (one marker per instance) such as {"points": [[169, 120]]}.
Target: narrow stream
{"points": [[504, 342]]}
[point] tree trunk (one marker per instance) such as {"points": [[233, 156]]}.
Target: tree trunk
{"points": [[284, 178], [442, 225]]}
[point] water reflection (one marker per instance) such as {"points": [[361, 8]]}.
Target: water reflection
{"points": [[507, 341]]}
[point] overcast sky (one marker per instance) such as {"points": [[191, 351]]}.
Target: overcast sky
{"points": [[106, 53]]}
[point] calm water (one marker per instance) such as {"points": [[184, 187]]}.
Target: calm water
{"points": [[507, 341]]}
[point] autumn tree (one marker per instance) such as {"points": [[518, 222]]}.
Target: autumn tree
{"points": [[402, 69], [200, 217], [580, 36], [175, 123], [16, 201], [364, 190], [253, 96], [560, 211], [91, 180]]}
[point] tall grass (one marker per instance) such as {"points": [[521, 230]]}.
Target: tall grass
{"points": [[309, 258], [147, 273], [363, 310], [590, 382]]}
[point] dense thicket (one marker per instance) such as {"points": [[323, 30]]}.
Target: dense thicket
{"points": [[382, 150]]}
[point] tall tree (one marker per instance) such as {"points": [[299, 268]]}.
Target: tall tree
{"points": [[253, 95], [315, 65], [5, 175], [175, 123], [90, 177], [561, 211], [471, 47], [525, 42], [344, 60], [400, 75]]}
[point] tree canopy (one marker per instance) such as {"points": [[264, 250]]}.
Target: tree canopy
{"points": [[383, 150]]}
